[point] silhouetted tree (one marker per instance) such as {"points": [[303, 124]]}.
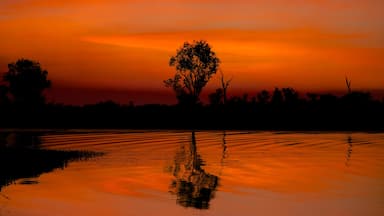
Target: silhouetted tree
{"points": [[27, 81], [277, 97], [312, 97], [220, 95], [291, 96], [195, 64], [216, 97], [348, 83], [357, 98], [224, 86], [263, 97]]}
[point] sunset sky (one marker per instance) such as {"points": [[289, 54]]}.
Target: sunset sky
{"points": [[119, 49]]}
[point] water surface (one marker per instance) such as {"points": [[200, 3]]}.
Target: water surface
{"points": [[201, 173]]}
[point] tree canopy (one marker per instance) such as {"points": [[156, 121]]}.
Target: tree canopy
{"points": [[26, 82], [195, 64]]}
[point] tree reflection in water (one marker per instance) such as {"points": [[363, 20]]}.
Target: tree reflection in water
{"points": [[349, 151], [192, 185]]}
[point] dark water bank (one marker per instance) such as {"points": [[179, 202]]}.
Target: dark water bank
{"points": [[17, 163], [21, 157]]}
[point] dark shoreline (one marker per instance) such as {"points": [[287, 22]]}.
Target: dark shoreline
{"points": [[23, 162], [355, 111]]}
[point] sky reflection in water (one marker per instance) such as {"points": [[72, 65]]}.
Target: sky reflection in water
{"points": [[207, 173]]}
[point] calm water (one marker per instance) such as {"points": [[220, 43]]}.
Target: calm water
{"points": [[208, 173]]}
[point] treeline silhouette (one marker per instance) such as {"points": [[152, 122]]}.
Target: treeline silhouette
{"points": [[281, 109], [23, 105]]}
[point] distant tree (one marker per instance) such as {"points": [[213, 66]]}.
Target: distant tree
{"points": [[291, 96], [224, 86], [239, 101], [26, 82], [348, 83], [277, 97], [220, 95], [216, 97], [263, 97], [195, 64], [312, 97], [357, 98]]}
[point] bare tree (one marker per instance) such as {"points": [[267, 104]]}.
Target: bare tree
{"points": [[224, 86], [348, 82]]}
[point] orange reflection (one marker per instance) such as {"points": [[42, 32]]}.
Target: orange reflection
{"points": [[257, 171]]}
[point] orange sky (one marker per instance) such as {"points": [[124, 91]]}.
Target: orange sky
{"points": [[125, 45]]}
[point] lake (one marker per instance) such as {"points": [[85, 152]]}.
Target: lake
{"points": [[141, 172]]}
